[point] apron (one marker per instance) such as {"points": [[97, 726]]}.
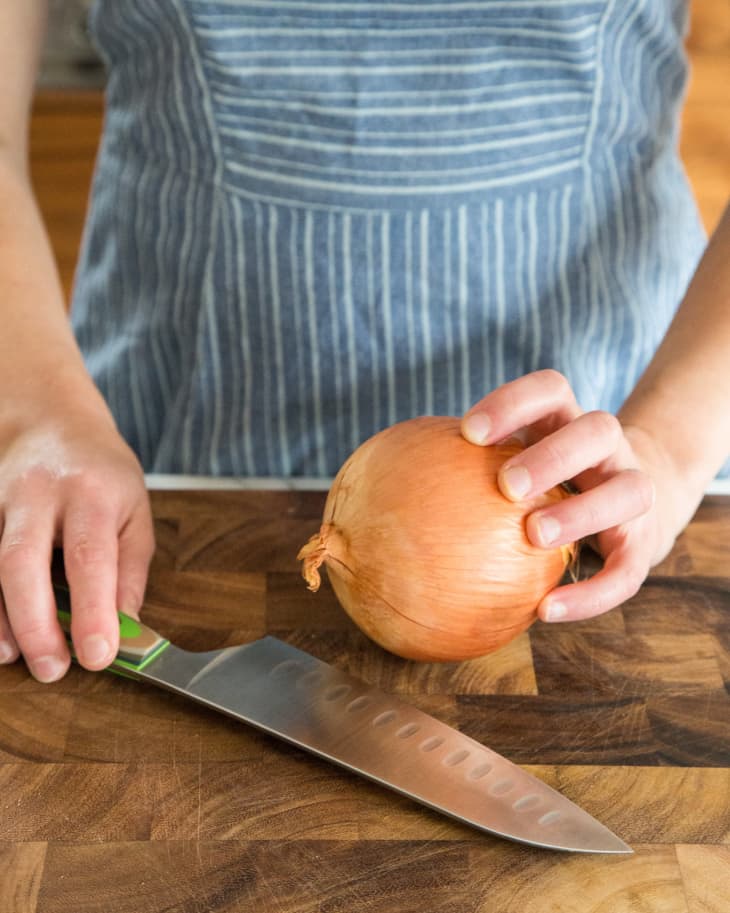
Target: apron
{"points": [[311, 219]]}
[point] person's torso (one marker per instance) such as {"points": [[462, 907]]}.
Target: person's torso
{"points": [[313, 219]]}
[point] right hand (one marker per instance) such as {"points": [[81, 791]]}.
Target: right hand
{"points": [[69, 481]]}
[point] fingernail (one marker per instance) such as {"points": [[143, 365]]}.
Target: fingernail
{"points": [[48, 669], [7, 654], [95, 650], [516, 482], [556, 611], [477, 427], [548, 529]]}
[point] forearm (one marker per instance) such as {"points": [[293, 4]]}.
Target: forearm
{"points": [[40, 362], [66, 476], [683, 398]]}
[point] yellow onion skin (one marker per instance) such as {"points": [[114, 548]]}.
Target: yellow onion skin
{"points": [[424, 552]]}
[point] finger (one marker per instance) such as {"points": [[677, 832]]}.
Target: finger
{"points": [[9, 651], [542, 398], [622, 498], [90, 560], [136, 548], [588, 440], [619, 579], [25, 578]]}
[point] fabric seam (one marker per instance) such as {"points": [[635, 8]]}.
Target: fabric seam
{"points": [[216, 183], [597, 85]]}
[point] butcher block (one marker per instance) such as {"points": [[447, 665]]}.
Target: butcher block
{"points": [[119, 798]]}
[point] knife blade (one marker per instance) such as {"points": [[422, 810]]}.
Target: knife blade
{"points": [[294, 696]]}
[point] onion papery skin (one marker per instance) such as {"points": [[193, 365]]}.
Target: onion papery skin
{"points": [[424, 552]]}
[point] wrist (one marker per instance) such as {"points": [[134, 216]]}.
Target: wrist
{"points": [[677, 489], [62, 394]]}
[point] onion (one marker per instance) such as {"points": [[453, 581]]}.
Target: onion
{"points": [[424, 552]]}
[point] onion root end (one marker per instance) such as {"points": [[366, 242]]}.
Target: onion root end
{"points": [[313, 554]]}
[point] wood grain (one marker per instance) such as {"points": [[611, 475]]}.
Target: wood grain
{"points": [[21, 866], [116, 796], [706, 875], [648, 882]]}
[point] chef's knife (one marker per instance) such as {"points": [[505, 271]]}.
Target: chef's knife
{"points": [[290, 694]]}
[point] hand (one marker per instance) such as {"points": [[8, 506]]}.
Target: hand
{"points": [[69, 481], [629, 498]]}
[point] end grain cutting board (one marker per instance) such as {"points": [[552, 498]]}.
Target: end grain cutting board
{"points": [[116, 797]]}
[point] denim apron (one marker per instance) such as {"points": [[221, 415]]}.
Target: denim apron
{"points": [[313, 218]]}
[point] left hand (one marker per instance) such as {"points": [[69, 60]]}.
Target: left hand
{"points": [[630, 496]]}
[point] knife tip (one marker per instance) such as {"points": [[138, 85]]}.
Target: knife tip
{"points": [[622, 848], [610, 844]]}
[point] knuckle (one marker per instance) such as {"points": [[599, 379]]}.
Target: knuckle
{"points": [[604, 424], [632, 579], [91, 488], [643, 489], [36, 477], [620, 588], [35, 635], [16, 554], [592, 519], [30, 631], [637, 493], [600, 603], [84, 552], [552, 454], [556, 380]]}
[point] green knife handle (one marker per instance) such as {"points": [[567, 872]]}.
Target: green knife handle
{"points": [[138, 644]]}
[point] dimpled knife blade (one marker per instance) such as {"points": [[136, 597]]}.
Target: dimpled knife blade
{"points": [[292, 695]]}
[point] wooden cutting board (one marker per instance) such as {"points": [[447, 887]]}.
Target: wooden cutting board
{"points": [[117, 798]]}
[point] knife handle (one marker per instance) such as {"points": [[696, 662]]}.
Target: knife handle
{"points": [[138, 644]]}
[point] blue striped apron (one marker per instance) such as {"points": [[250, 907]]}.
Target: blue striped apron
{"points": [[313, 218]]}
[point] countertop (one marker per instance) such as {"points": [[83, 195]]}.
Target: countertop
{"points": [[117, 798]]}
